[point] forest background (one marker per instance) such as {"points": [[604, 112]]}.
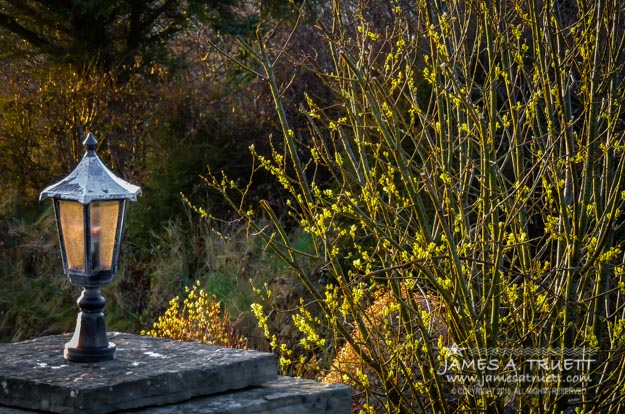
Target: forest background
{"points": [[359, 186]]}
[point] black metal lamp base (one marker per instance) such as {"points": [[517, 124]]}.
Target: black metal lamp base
{"points": [[90, 354], [89, 343]]}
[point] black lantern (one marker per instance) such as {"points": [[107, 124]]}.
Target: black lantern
{"points": [[90, 206]]}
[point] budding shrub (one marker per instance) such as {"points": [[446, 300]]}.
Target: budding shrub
{"points": [[199, 319], [472, 157]]}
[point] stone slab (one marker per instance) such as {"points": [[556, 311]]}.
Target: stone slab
{"points": [[284, 396], [147, 371]]}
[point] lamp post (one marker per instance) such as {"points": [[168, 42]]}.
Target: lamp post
{"points": [[90, 205]]}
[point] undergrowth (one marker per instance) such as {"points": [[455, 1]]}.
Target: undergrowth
{"points": [[32, 283], [213, 272]]}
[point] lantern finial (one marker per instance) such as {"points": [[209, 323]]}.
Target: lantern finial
{"points": [[90, 143]]}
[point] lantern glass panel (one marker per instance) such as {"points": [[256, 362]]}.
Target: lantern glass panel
{"points": [[104, 219], [71, 214]]}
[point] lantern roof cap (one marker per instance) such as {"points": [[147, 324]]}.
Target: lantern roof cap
{"points": [[91, 181]]}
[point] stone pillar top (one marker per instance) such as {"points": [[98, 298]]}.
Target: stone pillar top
{"points": [[149, 371]]}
